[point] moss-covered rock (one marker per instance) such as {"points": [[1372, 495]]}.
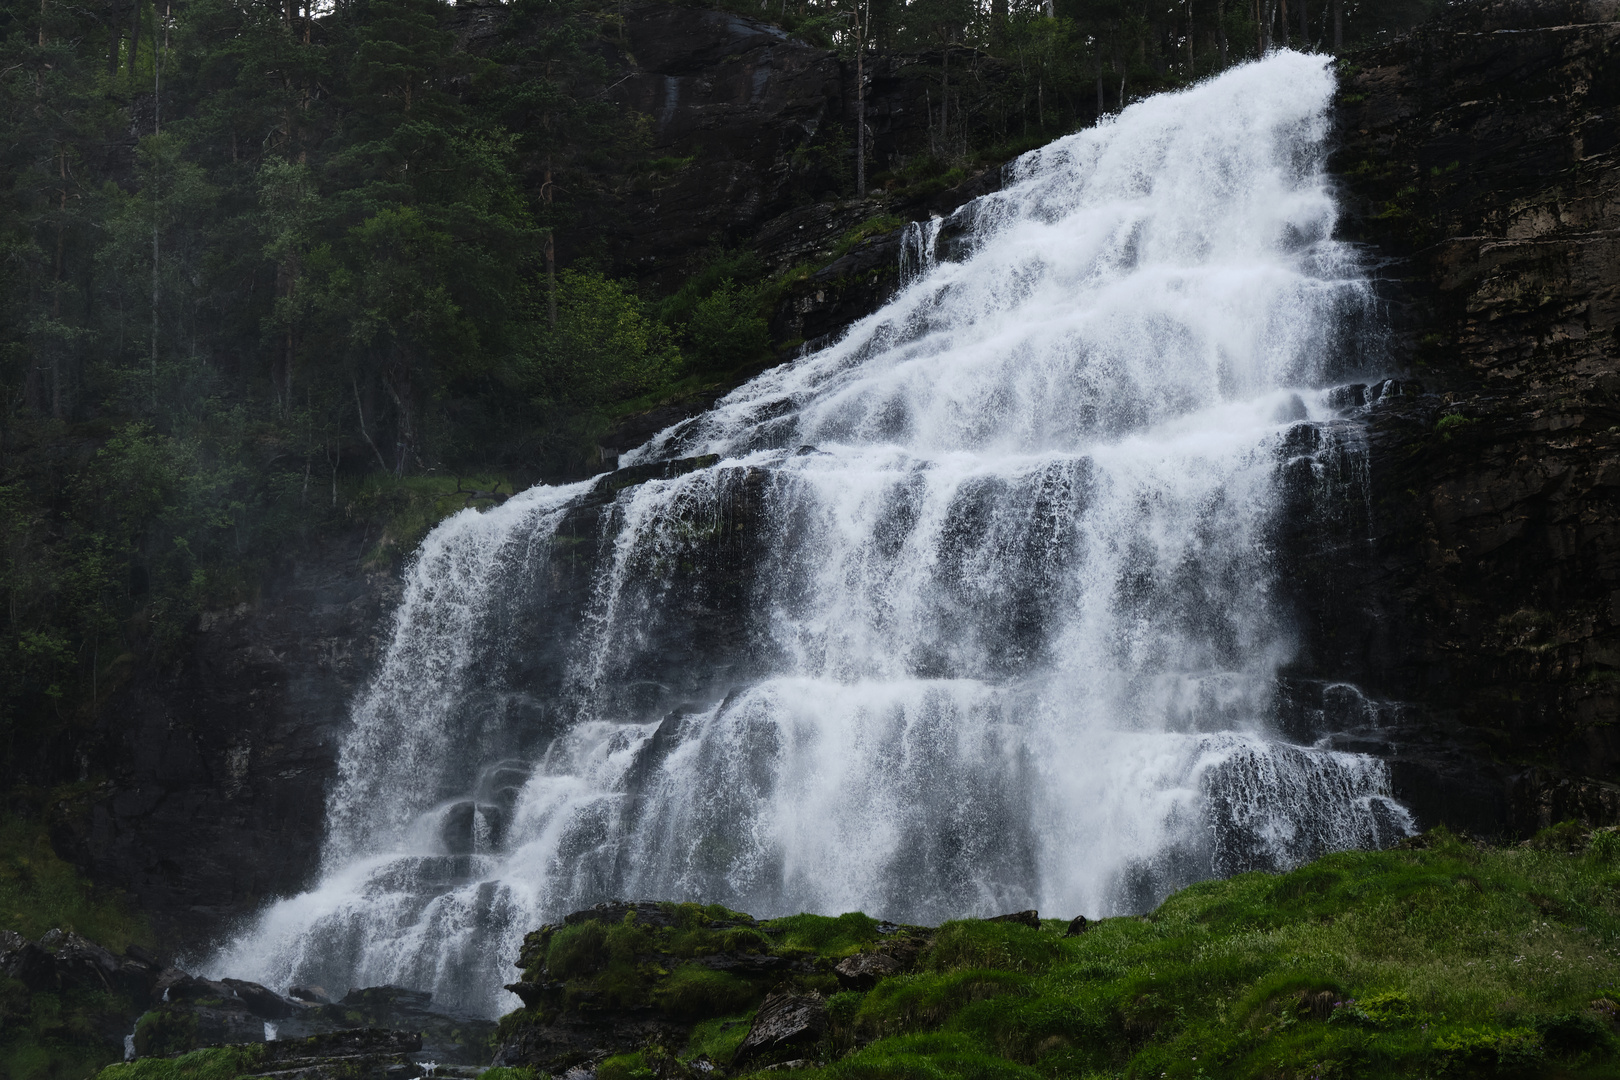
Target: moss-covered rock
{"points": [[608, 982]]}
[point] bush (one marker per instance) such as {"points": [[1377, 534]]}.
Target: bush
{"points": [[1471, 1050], [727, 330]]}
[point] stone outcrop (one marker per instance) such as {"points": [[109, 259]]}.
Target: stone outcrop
{"points": [[639, 976], [1478, 162], [219, 764], [165, 1011]]}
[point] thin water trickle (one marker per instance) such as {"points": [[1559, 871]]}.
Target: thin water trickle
{"points": [[1004, 625]]}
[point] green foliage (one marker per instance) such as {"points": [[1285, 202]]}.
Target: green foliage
{"points": [[606, 346], [726, 329], [507, 1072], [1452, 423]]}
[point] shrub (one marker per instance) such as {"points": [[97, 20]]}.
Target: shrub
{"points": [[1470, 1050]]}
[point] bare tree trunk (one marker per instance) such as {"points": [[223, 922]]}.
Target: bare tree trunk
{"points": [[1282, 23], [1304, 25], [1338, 25], [1220, 28], [945, 96], [860, 103], [360, 409], [58, 409], [551, 251], [1190, 68], [134, 36]]}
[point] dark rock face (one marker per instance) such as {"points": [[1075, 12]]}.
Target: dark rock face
{"points": [[202, 1012], [863, 970], [784, 1022], [1480, 158], [220, 763]]}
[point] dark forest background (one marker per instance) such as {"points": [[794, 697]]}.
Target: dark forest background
{"points": [[273, 272]]}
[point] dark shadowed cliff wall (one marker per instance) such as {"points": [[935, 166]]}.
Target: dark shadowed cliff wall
{"points": [[1478, 160]]}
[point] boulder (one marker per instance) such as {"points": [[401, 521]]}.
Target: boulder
{"points": [[863, 970], [1077, 926], [25, 961], [784, 1021], [261, 1001]]}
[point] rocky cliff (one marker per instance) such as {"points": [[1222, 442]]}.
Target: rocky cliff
{"points": [[1478, 160]]}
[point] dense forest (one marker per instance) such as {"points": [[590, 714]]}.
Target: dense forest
{"points": [[271, 272]]}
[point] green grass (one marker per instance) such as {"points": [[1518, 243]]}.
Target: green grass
{"points": [[1447, 961], [40, 892], [831, 937], [1440, 959], [56, 1036]]}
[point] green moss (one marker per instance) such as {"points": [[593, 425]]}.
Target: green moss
{"points": [[509, 1073], [578, 951], [625, 1067], [1451, 423], [165, 1030], [718, 1038], [215, 1063], [832, 937], [694, 993], [872, 226], [976, 943], [40, 892]]}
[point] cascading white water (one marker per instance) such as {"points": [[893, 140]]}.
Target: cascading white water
{"points": [[1010, 631]]}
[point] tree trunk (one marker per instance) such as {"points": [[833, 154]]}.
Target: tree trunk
{"points": [[1220, 28], [860, 104], [1304, 25], [1338, 25], [134, 36], [551, 252]]}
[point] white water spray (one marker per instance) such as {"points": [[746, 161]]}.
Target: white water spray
{"points": [[1008, 624]]}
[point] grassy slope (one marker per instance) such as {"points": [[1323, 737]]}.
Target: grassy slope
{"points": [[1449, 959], [67, 1035], [1454, 959]]}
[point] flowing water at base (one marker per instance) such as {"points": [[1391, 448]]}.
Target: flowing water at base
{"points": [[1011, 612]]}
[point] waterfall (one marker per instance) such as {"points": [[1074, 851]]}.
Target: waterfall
{"points": [[978, 609]]}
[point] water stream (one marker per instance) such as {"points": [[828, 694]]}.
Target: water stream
{"points": [[978, 610]]}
